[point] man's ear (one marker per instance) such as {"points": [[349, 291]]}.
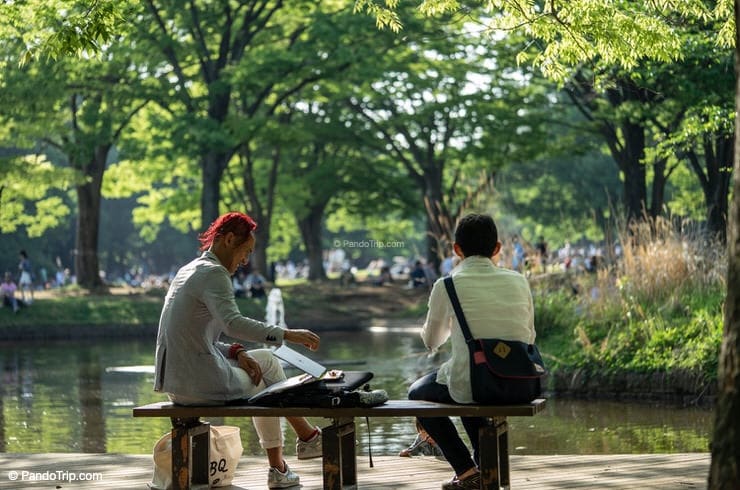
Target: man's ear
{"points": [[229, 238], [458, 251], [496, 249]]}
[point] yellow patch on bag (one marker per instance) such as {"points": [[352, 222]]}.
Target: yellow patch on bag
{"points": [[502, 350]]}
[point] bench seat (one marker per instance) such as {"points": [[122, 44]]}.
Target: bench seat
{"points": [[190, 435]]}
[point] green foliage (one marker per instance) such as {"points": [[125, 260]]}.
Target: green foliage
{"points": [[644, 337], [54, 29], [29, 194], [285, 236], [541, 197], [555, 311], [571, 32], [292, 89], [686, 197]]}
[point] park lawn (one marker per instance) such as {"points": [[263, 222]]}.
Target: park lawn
{"points": [[134, 309], [317, 303]]}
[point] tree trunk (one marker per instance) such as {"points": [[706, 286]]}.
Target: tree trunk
{"points": [[261, 206], [310, 227], [633, 170], [657, 198], [259, 255], [212, 167], [87, 267], [724, 472], [717, 208], [3, 445], [719, 172], [439, 226]]}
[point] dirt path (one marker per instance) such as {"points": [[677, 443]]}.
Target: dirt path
{"points": [[331, 306]]}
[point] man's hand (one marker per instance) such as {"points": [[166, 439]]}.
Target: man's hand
{"points": [[250, 365], [304, 337]]}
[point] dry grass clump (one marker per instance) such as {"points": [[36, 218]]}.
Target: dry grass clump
{"points": [[659, 259]]}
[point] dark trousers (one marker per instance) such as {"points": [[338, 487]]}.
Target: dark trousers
{"points": [[443, 430]]}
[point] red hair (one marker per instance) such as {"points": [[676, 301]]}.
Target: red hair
{"points": [[237, 223]]}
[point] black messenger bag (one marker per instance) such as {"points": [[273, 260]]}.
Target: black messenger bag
{"points": [[502, 372]]}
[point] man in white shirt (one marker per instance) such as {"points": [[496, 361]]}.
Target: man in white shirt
{"points": [[497, 303]]}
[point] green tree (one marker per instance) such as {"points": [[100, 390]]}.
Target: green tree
{"points": [[265, 135], [452, 113], [331, 170], [215, 55], [650, 123], [620, 116], [59, 28], [697, 127], [85, 107], [542, 197]]}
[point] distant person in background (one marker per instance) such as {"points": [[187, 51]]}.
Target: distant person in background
{"points": [[430, 274], [255, 285], [384, 277], [7, 289], [517, 260], [417, 276], [59, 278], [26, 279], [240, 291], [541, 247]]}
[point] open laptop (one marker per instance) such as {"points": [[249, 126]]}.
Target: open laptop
{"points": [[313, 373], [295, 358]]}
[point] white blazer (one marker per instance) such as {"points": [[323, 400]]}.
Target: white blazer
{"points": [[199, 306]]}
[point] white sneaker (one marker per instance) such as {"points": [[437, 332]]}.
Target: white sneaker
{"points": [[278, 479], [309, 449]]}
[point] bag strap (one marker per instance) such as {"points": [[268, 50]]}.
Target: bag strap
{"points": [[452, 293]]}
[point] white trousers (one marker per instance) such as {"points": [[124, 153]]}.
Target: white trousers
{"points": [[268, 428]]}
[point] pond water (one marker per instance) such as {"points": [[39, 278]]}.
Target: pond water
{"points": [[78, 396]]}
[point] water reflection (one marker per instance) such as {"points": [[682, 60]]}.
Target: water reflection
{"points": [[77, 397]]}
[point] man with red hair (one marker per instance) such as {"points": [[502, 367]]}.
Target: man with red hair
{"points": [[194, 368]]}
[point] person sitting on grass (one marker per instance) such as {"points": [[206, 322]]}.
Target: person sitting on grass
{"points": [[7, 289], [417, 276], [255, 285]]}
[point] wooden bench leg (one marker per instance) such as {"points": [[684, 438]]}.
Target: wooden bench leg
{"points": [[494, 455], [190, 453], [339, 459], [502, 429]]}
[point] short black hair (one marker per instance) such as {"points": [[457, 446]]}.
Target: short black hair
{"points": [[477, 235]]}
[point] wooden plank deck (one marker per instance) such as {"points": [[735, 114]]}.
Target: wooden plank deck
{"points": [[644, 471]]}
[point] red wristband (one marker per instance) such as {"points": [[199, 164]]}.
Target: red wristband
{"points": [[234, 350]]}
